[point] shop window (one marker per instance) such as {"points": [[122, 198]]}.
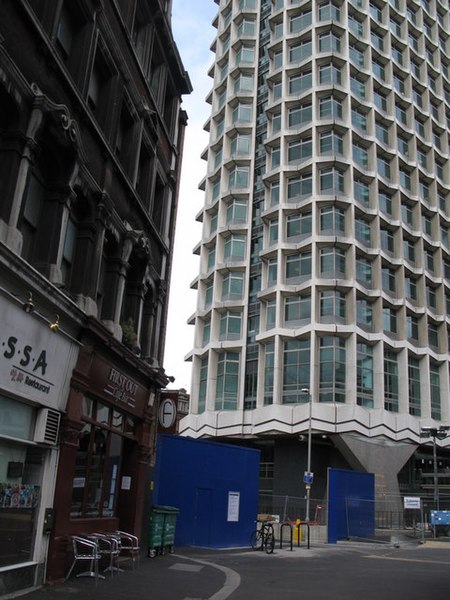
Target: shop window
{"points": [[20, 484], [98, 460]]}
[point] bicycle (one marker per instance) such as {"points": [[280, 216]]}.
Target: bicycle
{"points": [[263, 538]]}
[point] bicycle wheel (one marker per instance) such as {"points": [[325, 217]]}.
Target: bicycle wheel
{"points": [[269, 542], [256, 540]]}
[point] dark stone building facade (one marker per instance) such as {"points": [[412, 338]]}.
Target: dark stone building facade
{"points": [[91, 134]]}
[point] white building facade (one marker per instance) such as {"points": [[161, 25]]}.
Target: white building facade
{"points": [[324, 284]]}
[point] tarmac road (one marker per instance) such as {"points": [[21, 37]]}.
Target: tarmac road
{"points": [[343, 571]]}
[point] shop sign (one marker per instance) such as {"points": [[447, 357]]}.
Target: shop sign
{"points": [[167, 413], [112, 383], [121, 388], [34, 362]]}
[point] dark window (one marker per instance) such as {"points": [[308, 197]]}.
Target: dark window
{"points": [[159, 201], [73, 38], [100, 90], [34, 200], [125, 148], [156, 74], [68, 252], [99, 459], [145, 174]]}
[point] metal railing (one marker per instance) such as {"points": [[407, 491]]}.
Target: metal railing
{"points": [[291, 508]]}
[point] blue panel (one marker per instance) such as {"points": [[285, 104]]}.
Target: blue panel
{"points": [[440, 517], [203, 517], [196, 476], [351, 504]]}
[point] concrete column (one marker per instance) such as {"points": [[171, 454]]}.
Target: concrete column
{"points": [[385, 458]]}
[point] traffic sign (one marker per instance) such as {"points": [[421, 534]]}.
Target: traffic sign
{"points": [[308, 477]]}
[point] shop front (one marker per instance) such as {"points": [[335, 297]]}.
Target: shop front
{"points": [[106, 448], [35, 369]]}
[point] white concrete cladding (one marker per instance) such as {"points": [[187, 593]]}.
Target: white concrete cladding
{"points": [[325, 257]]}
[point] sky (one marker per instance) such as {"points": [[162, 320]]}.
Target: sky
{"points": [[194, 34]]}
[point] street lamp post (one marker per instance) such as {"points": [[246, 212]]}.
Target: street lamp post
{"points": [[308, 474], [439, 433]]}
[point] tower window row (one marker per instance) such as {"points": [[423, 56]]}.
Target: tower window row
{"points": [[382, 377]]}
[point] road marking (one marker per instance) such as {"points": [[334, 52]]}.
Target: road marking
{"points": [[232, 578], [417, 560], [186, 567]]}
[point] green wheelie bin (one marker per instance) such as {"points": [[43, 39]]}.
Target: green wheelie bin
{"points": [[162, 530], [156, 531], [170, 520]]}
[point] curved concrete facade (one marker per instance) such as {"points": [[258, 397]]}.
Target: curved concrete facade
{"points": [[324, 281]]}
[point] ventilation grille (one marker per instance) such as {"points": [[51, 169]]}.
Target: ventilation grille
{"points": [[47, 426]]}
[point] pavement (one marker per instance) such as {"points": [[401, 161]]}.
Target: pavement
{"points": [[400, 563]]}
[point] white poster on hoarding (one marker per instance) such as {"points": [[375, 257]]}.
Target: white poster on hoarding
{"points": [[411, 502], [233, 506], [126, 482]]}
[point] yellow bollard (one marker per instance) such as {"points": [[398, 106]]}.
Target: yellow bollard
{"points": [[297, 531]]}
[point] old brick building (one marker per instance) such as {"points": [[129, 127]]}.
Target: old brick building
{"points": [[91, 133]]}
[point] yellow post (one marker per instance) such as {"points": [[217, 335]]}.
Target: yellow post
{"points": [[297, 531]]}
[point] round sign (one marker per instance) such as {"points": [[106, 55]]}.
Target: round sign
{"points": [[167, 413]]}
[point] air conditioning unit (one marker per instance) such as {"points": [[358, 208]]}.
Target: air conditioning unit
{"points": [[47, 426]]}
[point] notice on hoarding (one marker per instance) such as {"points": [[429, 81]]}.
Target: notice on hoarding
{"points": [[126, 482], [233, 506], [411, 502]]}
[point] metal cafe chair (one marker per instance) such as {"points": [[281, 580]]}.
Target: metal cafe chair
{"points": [[85, 550], [129, 544], [108, 546]]}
